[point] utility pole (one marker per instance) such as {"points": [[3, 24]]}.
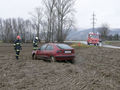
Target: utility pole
{"points": [[93, 22]]}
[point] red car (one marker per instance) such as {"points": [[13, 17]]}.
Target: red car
{"points": [[55, 52]]}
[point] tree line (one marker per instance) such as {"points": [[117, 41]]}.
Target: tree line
{"points": [[10, 28], [51, 22], [113, 37], [104, 31]]}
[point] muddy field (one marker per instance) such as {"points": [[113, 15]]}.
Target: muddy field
{"points": [[95, 69]]}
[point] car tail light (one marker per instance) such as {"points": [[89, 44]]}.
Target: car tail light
{"points": [[72, 51]]}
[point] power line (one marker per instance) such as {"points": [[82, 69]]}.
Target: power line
{"points": [[93, 22]]}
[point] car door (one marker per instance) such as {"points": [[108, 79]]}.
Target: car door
{"points": [[49, 51], [42, 51]]}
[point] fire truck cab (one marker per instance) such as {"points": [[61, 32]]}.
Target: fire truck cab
{"points": [[93, 38]]}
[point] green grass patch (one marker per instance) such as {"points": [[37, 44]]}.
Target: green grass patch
{"points": [[108, 42], [80, 45], [1, 41]]}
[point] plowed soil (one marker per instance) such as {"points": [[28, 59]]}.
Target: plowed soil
{"points": [[95, 69]]}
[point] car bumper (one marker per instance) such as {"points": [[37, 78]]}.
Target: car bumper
{"points": [[65, 57], [94, 42]]}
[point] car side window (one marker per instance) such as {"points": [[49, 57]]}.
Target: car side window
{"points": [[43, 47], [49, 47]]}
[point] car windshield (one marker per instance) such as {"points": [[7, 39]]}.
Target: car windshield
{"points": [[94, 36], [43, 47], [63, 46]]}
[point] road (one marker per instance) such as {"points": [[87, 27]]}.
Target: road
{"points": [[110, 46], [84, 42]]}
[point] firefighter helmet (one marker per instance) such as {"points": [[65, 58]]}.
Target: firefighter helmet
{"points": [[18, 37], [36, 38]]}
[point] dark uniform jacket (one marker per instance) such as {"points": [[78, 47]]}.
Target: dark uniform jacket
{"points": [[17, 45], [35, 43]]}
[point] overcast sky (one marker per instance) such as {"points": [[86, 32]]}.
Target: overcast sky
{"points": [[107, 11]]}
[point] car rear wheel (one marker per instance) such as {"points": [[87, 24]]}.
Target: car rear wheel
{"points": [[52, 59], [72, 61]]}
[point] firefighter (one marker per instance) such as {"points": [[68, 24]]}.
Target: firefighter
{"points": [[35, 43], [17, 46]]}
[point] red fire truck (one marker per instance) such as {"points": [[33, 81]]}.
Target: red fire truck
{"points": [[93, 38]]}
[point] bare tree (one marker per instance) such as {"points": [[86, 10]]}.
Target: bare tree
{"points": [[68, 26], [29, 30], [10, 28], [37, 20], [15, 27], [50, 15], [21, 28], [104, 31], [55, 24], [1, 29], [59, 12], [116, 36], [8, 31], [64, 10]]}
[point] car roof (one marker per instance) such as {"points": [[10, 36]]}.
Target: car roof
{"points": [[56, 43]]}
